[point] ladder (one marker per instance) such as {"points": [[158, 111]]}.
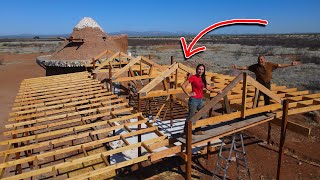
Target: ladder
{"points": [[240, 156]]}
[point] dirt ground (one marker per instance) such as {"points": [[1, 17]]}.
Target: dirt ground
{"points": [[302, 163]]}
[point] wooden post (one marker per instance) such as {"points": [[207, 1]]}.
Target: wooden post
{"points": [[210, 111], [282, 136], [269, 132], [149, 82], [139, 125], [189, 150], [93, 63], [171, 99], [226, 105], [208, 149], [255, 98], [120, 66], [244, 95], [110, 77]]}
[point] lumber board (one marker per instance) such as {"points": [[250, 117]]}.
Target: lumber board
{"points": [[223, 128], [78, 136], [295, 127], [159, 79], [77, 86]]}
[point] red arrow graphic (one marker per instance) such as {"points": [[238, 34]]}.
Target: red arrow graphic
{"points": [[188, 51]]}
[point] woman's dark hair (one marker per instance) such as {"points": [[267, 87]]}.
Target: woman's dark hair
{"points": [[203, 76]]}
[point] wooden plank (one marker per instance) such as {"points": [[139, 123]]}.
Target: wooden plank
{"points": [[295, 127], [244, 95], [63, 105], [105, 63], [158, 79], [110, 168], [263, 89], [60, 97], [234, 115], [151, 63], [67, 100], [72, 137], [61, 131], [216, 99], [165, 153], [126, 68], [135, 78]]}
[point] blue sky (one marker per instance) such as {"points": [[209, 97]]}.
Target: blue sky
{"points": [[60, 16]]}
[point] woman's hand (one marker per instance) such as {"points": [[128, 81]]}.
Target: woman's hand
{"points": [[191, 94]]}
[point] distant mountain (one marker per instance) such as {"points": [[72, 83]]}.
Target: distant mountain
{"points": [[151, 33], [30, 36], [129, 33]]}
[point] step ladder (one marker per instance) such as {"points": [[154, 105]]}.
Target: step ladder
{"points": [[222, 163]]}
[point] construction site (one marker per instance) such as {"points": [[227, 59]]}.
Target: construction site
{"points": [[113, 111]]}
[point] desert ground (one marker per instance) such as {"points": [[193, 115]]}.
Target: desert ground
{"points": [[302, 160]]}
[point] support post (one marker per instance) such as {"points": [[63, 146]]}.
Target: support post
{"points": [[150, 112], [139, 125], [255, 98], [269, 132], [171, 98], [211, 110], [282, 136], [93, 63], [208, 149], [110, 76], [244, 95], [189, 150], [226, 105]]}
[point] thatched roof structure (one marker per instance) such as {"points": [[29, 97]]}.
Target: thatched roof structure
{"points": [[85, 42]]}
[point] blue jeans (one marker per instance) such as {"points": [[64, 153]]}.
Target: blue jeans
{"points": [[194, 105]]}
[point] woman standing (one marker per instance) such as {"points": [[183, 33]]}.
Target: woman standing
{"points": [[198, 83]]}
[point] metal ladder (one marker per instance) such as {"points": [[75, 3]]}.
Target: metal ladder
{"points": [[240, 155]]}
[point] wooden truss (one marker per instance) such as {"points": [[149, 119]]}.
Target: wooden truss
{"points": [[63, 126], [114, 60]]}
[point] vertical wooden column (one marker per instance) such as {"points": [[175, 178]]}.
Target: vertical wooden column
{"points": [[171, 98], [255, 98], [93, 63], [244, 95], [208, 149], [110, 75], [282, 136], [139, 125], [150, 112], [211, 110], [120, 66], [189, 150], [269, 132]]}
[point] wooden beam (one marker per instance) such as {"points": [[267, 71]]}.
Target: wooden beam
{"points": [[295, 127], [263, 89], [105, 63], [216, 99], [244, 95], [282, 137], [126, 68], [158, 79]]}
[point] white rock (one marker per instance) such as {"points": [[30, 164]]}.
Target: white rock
{"points": [[87, 22]]}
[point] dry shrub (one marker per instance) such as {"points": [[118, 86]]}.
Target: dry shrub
{"points": [[1, 61], [309, 59]]}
